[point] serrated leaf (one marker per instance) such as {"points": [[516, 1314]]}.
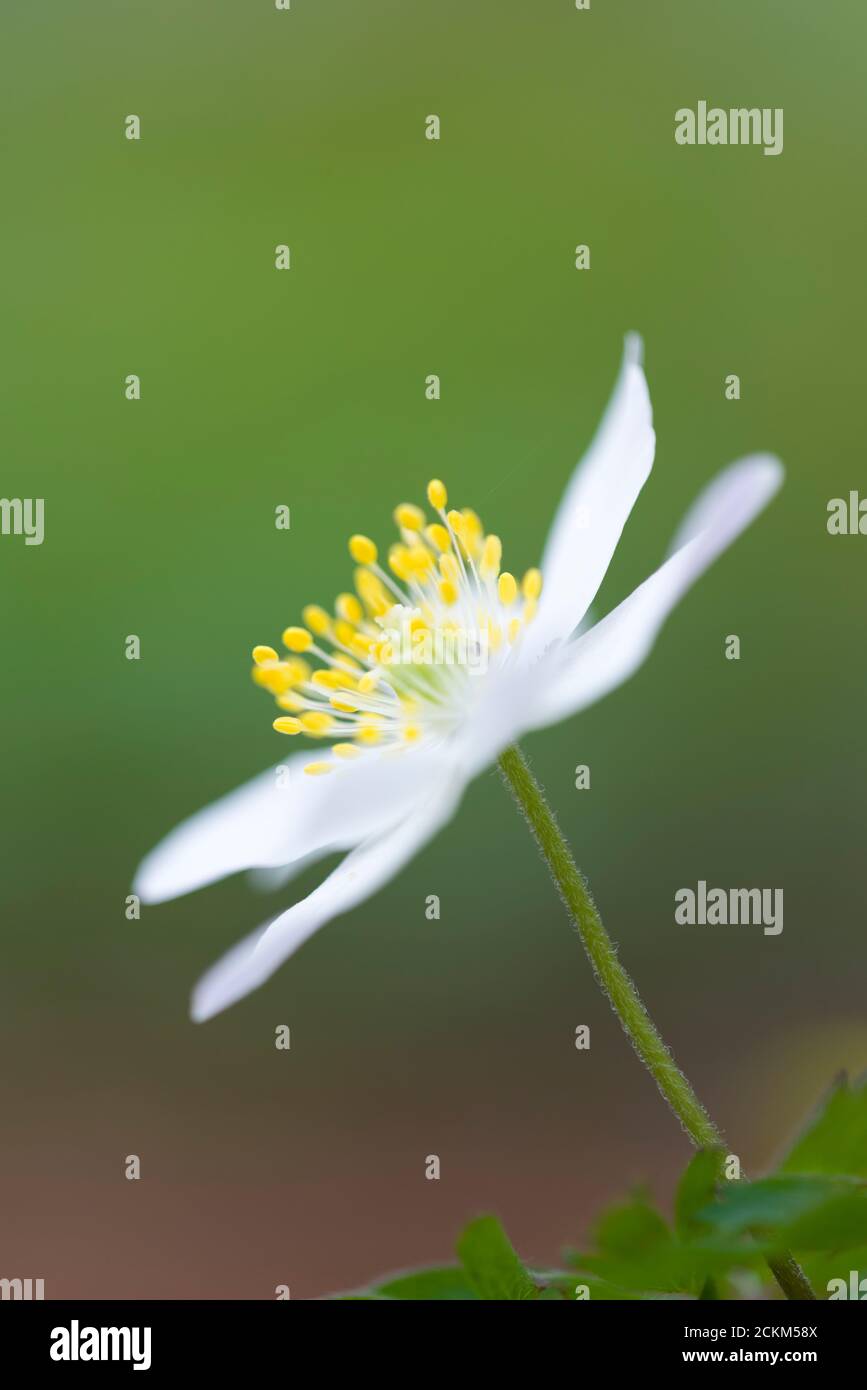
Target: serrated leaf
{"points": [[835, 1141], [492, 1267]]}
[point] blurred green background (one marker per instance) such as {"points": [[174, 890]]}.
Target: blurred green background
{"points": [[306, 388]]}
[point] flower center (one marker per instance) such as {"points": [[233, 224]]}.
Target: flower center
{"points": [[401, 660]]}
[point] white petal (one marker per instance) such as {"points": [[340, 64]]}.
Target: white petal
{"points": [[614, 649], [596, 505], [275, 821], [356, 878]]}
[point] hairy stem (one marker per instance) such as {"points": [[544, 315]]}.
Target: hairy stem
{"points": [[616, 983]]}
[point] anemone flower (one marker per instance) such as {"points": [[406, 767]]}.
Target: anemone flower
{"points": [[429, 672]]}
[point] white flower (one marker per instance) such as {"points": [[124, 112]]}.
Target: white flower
{"points": [[404, 739]]}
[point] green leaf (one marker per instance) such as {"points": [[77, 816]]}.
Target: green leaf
{"points": [[835, 1141], [798, 1213], [447, 1282], [766, 1205], [839, 1223], [491, 1264], [632, 1228], [697, 1188], [822, 1267]]}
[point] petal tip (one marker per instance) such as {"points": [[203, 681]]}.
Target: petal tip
{"points": [[633, 349]]}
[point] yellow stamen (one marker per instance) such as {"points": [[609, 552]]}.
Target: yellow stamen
{"points": [[263, 654], [412, 733], [344, 705], [436, 494], [409, 517], [285, 725], [275, 679], [372, 592], [531, 584], [344, 632], [315, 722], [317, 769], [345, 750], [363, 550], [449, 568], [448, 592], [399, 562], [492, 554], [419, 560], [507, 588], [297, 639], [438, 536], [317, 619], [330, 679], [472, 532], [349, 608], [290, 701]]}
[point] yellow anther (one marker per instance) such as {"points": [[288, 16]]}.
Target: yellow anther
{"points": [[368, 682], [438, 536], [492, 554], [436, 494], [456, 521], [372, 592], [495, 636], [531, 584], [368, 734], [343, 703], [297, 639], [317, 619], [449, 568], [349, 608], [263, 654], [383, 652], [315, 722], [329, 679], [285, 725], [361, 643], [290, 701], [448, 592], [471, 535], [297, 670], [345, 750], [530, 610], [507, 588], [514, 629], [409, 517], [399, 561], [412, 733], [419, 559], [363, 550], [317, 769], [275, 679], [344, 633]]}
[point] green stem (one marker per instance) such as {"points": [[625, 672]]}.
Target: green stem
{"points": [[616, 983]]}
